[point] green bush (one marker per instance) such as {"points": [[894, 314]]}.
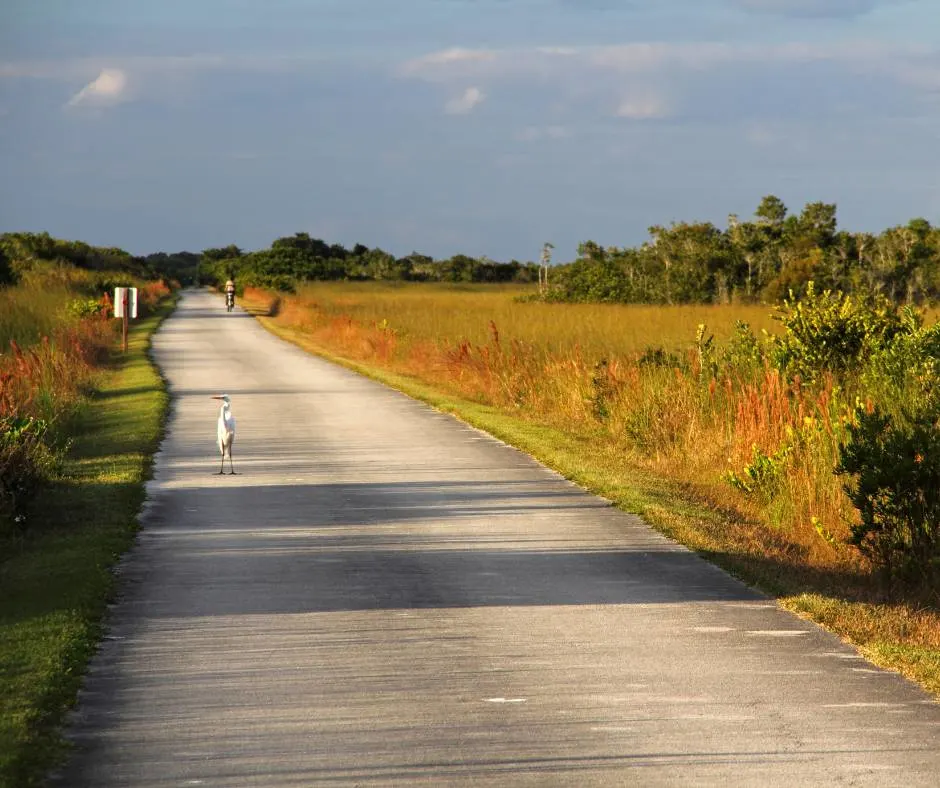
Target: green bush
{"points": [[763, 475], [26, 462], [81, 308], [744, 351], [277, 282], [894, 465], [831, 332], [906, 371]]}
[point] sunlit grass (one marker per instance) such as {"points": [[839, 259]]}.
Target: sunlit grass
{"points": [[29, 313], [451, 313]]}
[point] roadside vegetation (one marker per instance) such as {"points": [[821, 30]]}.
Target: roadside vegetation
{"points": [[79, 421], [797, 446]]}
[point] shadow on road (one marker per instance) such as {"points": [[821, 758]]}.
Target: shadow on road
{"points": [[318, 548]]}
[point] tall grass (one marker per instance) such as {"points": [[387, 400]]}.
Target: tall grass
{"points": [[452, 313], [631, 378], [29, 313], [55, 338]]}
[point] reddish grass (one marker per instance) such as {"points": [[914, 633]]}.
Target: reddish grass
{"points": [[47, 378]]}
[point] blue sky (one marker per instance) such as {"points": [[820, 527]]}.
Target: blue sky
{"points": [[445, 126]]}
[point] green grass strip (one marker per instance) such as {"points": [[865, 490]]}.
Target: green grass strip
{"points": [[55, 584]]}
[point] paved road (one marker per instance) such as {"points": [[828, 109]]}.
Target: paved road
{"points": [[384, 596]]}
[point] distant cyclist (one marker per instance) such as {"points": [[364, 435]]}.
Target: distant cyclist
{"points": [[230, 295]]}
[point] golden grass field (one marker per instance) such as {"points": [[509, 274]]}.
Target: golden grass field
{"points": [[453, 313]]}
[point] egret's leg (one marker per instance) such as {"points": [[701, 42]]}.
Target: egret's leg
{"points": [[222, 469], [231, 465]]}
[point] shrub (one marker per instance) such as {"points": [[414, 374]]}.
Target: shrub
{"points": [[907, 368], [26, 462], [831, 332], [278, 282], [763, 475], [744, 351], [81, 308], [894, 463]]}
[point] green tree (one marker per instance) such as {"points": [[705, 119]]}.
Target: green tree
{"points": [[691, 257], [748, 243], [771, 211], [816, 226]]}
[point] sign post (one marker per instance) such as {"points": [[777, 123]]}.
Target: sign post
{"points": [[125, 307]]}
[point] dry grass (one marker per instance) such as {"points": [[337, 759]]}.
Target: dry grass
{"points": [[46, 379], [49, 355], [464, 312]]}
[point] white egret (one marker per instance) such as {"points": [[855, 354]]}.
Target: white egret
{"points": [[226, 431]]}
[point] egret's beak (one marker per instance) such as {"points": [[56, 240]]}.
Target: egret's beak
{"points": [[216, 397]]}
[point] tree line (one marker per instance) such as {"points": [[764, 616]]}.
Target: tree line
{"points": [[763, 259], [298, 258], [287, 262], [22, 252]]}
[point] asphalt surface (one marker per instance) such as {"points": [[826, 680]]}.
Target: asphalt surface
{"points": [[385, 596]]}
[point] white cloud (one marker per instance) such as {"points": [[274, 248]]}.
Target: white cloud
{"points": [[646, 57], [564, 51], [643, 107], [465, 102], [109, 87], [81, 68], [534, 133], [669, 78], [461, 63], [119, 79], [446, 59]]}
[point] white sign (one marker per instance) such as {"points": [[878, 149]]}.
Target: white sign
{"points": [[131, 301]]}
